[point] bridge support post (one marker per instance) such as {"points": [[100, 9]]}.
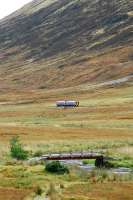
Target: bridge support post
{"points": [[99, 162]]}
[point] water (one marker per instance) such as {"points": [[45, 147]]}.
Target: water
{"points": [[90, 167], [121, 170]]}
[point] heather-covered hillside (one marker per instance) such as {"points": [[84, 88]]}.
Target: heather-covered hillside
{"points": [[55, 43]]}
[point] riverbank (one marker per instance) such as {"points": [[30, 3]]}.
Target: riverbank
{"points": [[29, 178]]}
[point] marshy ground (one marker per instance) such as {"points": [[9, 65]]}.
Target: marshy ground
{"points": [[103, 122]]}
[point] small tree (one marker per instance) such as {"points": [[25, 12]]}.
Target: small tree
{"points": [[17, 150]]}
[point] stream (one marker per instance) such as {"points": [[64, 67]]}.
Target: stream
{"points": [[90, 167]]}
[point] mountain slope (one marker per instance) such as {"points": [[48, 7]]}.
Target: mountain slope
{"points": [[55, 43]]}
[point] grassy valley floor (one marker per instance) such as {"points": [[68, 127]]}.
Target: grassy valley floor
{"points": [[102, 122]]}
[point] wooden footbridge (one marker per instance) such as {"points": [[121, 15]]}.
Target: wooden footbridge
{"points": [[99, 158]]}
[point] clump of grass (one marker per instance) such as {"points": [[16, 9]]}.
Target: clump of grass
{"points": [[52, 193], [128, 177], [98, 175], [38, 191], [62, 186], [38, 153], [114, 177]]}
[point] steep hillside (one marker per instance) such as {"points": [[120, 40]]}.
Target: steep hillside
{"points": [[61, 43]]}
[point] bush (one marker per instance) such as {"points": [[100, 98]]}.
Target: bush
{"points": [[56, 167], [17, 150]]}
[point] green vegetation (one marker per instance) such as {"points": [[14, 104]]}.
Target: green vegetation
{"points": [[43, 182], [56, 167], [16, 149], [128, 163], [87, 161], [32, 80]]}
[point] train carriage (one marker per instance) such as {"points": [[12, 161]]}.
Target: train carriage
{"points": [[68, 103]]}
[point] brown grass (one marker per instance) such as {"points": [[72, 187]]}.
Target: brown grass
{"points": [[102, 191], [13, 194], [103, 114]]}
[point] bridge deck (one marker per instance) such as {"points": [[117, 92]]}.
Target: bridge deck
{"points": [[72, 156]]}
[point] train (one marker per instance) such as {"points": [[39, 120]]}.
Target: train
{"points": [[67, 103]]}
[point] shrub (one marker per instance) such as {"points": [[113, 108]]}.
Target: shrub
{"points": [[56, 167], [17, 150]]}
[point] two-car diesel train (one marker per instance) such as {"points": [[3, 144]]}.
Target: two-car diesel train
{"points": [[67, 103]]}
